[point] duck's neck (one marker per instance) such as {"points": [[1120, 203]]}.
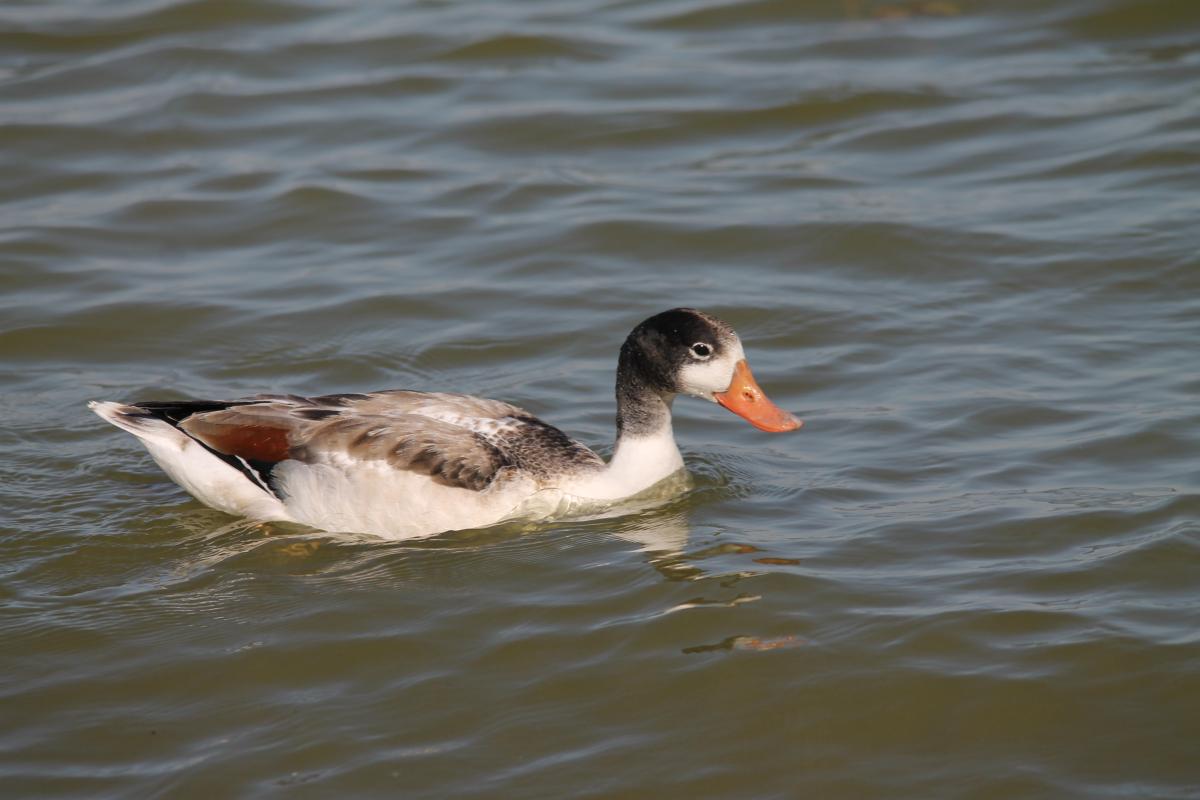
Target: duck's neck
{"points": [[645, 450], [640, 461]]}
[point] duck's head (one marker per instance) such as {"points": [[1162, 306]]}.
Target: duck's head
{"points": [[685, 351]]}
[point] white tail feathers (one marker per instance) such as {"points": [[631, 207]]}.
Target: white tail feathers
{"points": [[135, 421], [187, 462]]}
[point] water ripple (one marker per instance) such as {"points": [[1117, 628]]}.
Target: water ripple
{"points": [[956, 237]]}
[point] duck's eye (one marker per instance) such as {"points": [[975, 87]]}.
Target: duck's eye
{"points": [[702, 350]]}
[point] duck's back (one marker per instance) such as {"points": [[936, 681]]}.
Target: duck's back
{"points": [[396, 463]]}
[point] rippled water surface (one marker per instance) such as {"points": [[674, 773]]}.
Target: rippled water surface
{"points": [[959, 239]]}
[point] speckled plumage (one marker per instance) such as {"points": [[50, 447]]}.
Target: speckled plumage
{"points": [[455, 439]]}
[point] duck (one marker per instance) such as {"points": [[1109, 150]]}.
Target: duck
{"points": [[401, 464]]}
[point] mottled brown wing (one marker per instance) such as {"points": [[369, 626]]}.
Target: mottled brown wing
{"points": [[449, 454], [402, 402], [271, 429]]}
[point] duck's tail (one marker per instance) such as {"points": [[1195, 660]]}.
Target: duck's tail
{"points": [[212, 478]]}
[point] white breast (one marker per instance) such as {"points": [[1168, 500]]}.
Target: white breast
{"points": [[638, 463], [395, 504]]}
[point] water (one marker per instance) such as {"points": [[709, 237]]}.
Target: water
{"points": [[959, 239]]}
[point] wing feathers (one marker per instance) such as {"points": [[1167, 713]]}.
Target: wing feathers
{"points": [[456, 440], [251, 442], [451, 455]]}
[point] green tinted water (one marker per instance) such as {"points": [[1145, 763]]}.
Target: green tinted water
{"points": [[958, 239]]}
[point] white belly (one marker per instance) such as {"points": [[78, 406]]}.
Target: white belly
{"points": [[395, 504]]}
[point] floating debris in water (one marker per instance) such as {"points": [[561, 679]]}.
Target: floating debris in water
{"points": [[754, 643]]}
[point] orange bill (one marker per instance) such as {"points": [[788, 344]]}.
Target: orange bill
{"points": [[746, 398]]}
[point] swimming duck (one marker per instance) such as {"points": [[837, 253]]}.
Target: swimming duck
{"points": [[401, 464]]}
